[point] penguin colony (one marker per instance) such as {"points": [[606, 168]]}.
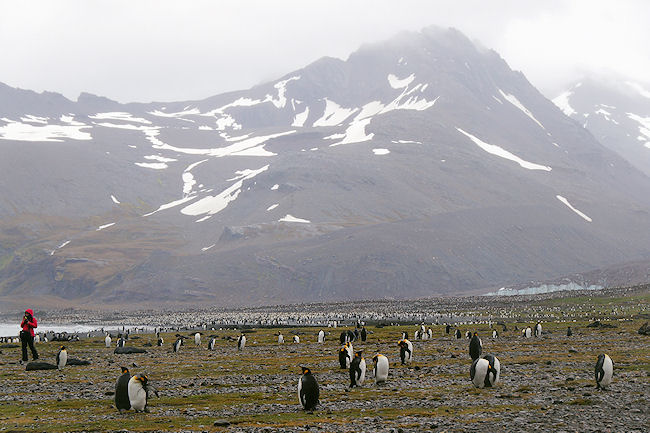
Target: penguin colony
{"points": [[133, 391]]}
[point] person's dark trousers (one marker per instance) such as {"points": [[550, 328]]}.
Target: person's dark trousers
{"points": [[25, 339]]}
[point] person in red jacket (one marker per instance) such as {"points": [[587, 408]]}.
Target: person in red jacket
{"points": [[27, 334]]}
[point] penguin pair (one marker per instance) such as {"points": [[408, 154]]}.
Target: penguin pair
{"points": [[405, 351], [381, 368], [485, 372], [308, 392], [241, 342], [475, 347], [357, 370], [132, 391], [345, 355]]}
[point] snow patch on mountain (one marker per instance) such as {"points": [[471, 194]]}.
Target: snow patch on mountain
{"points": [[116, 201], [639, 88], [211, 205], [105, 226], [501, 152], [566, 202], [178, 114], [397, 83], [282, 90], [514, 101], [120, 115], [334, 114], [288, 218], [300, 118], [380, 151], [644, 124], [160, 158], [273, 206], [562, 102], [35, 119], [152, 165], [355, 133], [171, 205], [26, 132]]}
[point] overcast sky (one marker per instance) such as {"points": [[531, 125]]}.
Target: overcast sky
{"points": [[177, 50]]}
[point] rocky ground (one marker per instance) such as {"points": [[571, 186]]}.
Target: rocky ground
{"points": [[546, 383]]}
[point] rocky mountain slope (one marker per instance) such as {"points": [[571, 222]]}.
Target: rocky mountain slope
{"points": [[420, 165]]}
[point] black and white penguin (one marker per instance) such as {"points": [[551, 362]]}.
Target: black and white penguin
{"points": [[538, 330], [447, 329], [430, 333], [321, 336], [122, 391], [160, 341], [351, 336], [475, 347], [139, 389], [121, 342], [197, 338], [381, 368], [405, 351], [457, 333], [241, 342], [343, 338], [527, 332], [212, 342], [177, 344], [485, 372], [308, 392], [364, 334], [416, 334], [344, 358], [280, 338], [296, 339], [604, 371], [405, 335], [62, 358], [468, 335], [107, 340], [569, 332], [495, 334], [357, 370]]}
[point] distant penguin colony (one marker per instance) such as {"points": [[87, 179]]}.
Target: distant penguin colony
{"points": [[485, 371], [241, 342], [308, 392], [604, 371], [122, 391], [357, 370], [62, 358], [475, 347], [381, 368]]}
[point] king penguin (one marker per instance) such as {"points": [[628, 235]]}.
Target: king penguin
{"points": [[381, 368], [280, 338], [107, 340], [138, 389], [538, 330], [62, 358], [495, 334], [475, 347], [405, 351], [364, 334], [212, 342], [308, 392], [528, 332], [197, 338], [604, 371], [241, 342], [122, 391], [485, 371], [457, 333], [569, 332], [177, 344], [344, 359], [321, 336], [357, 370], [296, 339]]}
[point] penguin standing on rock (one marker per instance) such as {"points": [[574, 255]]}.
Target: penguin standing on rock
{"points": [[405, 351], [308, 392], [62, 358], [475, 347], [485, 372], [604, 371], [381, 368], [241, 342], [122, 391], [138, 390], [357, 370]]}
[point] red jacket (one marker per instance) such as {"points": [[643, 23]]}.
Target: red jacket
{"points": [[27, 325]]}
